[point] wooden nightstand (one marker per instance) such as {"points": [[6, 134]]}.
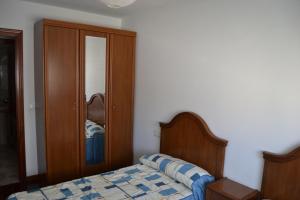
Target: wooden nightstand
{"points": [[225, 189]]}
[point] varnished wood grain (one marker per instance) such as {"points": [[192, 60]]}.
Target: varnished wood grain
{"points": [[188, 137], [226, 189], [64, 105], [61, 103], [122, 56], [281, 178], [96, 109], [86, 27]]}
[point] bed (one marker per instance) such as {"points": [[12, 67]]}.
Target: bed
{"points": [[95, 130], [281, 176], [186, 143]]}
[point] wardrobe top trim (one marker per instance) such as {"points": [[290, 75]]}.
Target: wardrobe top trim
{"points": [[50, 22]]}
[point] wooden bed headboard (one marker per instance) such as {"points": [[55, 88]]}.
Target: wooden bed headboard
{"points": [[188, 137], [281, 176], [96, 109]]}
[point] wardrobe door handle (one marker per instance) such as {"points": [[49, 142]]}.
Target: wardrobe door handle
{"points": [[114, 107]]}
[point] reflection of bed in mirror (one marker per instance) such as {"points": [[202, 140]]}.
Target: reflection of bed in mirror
{"points": [[95, 130]]}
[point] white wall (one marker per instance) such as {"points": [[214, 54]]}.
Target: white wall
{"points": [[16, 14], [236, 63], [95, 65]]}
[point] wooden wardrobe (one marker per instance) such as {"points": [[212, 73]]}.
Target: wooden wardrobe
{"points": [[60, 100]]}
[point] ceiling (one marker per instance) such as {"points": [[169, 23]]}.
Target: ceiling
{"points": [[96, 6]]}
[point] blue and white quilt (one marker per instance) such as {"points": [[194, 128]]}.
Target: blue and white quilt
{"points": [[91, 128], [94, 143], [139, 182]]}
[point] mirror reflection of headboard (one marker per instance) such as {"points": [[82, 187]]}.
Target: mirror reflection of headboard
{"points": [[96, 109]]}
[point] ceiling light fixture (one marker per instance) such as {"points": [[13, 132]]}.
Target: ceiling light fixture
{"points": [[118, 3]]}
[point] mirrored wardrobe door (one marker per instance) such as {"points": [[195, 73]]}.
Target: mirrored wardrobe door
{"points": [[94, 134]]}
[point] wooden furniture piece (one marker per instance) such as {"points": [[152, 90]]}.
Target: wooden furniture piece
{"points": [[95, 112], [188, 137], [61, 104], [281, 176], [225, 189], [122, 54], [18, 107], [91, 61]]}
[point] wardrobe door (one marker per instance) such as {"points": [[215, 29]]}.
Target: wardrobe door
{"points": [[122, 53], [61, 103], [94, 70]]}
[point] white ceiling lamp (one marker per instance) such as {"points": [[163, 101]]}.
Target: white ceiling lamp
{"points": [[118, 3]]}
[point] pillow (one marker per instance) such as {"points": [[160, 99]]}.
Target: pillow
{"points": [[91, 128], [156, 161], [180, 170], [187, 173]]}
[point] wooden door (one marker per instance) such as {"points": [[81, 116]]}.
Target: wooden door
{"points": [[94, 51], [61, 103], [122, 56]]}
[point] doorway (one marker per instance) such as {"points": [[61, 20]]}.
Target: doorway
{"points": [[12, 147]]}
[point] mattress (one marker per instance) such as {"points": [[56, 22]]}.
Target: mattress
{"points": [[135, 182]]}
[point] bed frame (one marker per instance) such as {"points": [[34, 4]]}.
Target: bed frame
{"points": [[96, 109], [281, 176], [188, 137]]}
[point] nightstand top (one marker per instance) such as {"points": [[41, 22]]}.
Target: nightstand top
{"points": [[232, 189]]}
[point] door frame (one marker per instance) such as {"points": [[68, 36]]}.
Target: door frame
{"points": [[17, 36]]}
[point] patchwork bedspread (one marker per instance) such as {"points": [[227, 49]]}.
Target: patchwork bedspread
{"points": [[134, 182], [91, 128]]}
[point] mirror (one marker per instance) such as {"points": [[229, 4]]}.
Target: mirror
{"points": [[95, 70]]}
